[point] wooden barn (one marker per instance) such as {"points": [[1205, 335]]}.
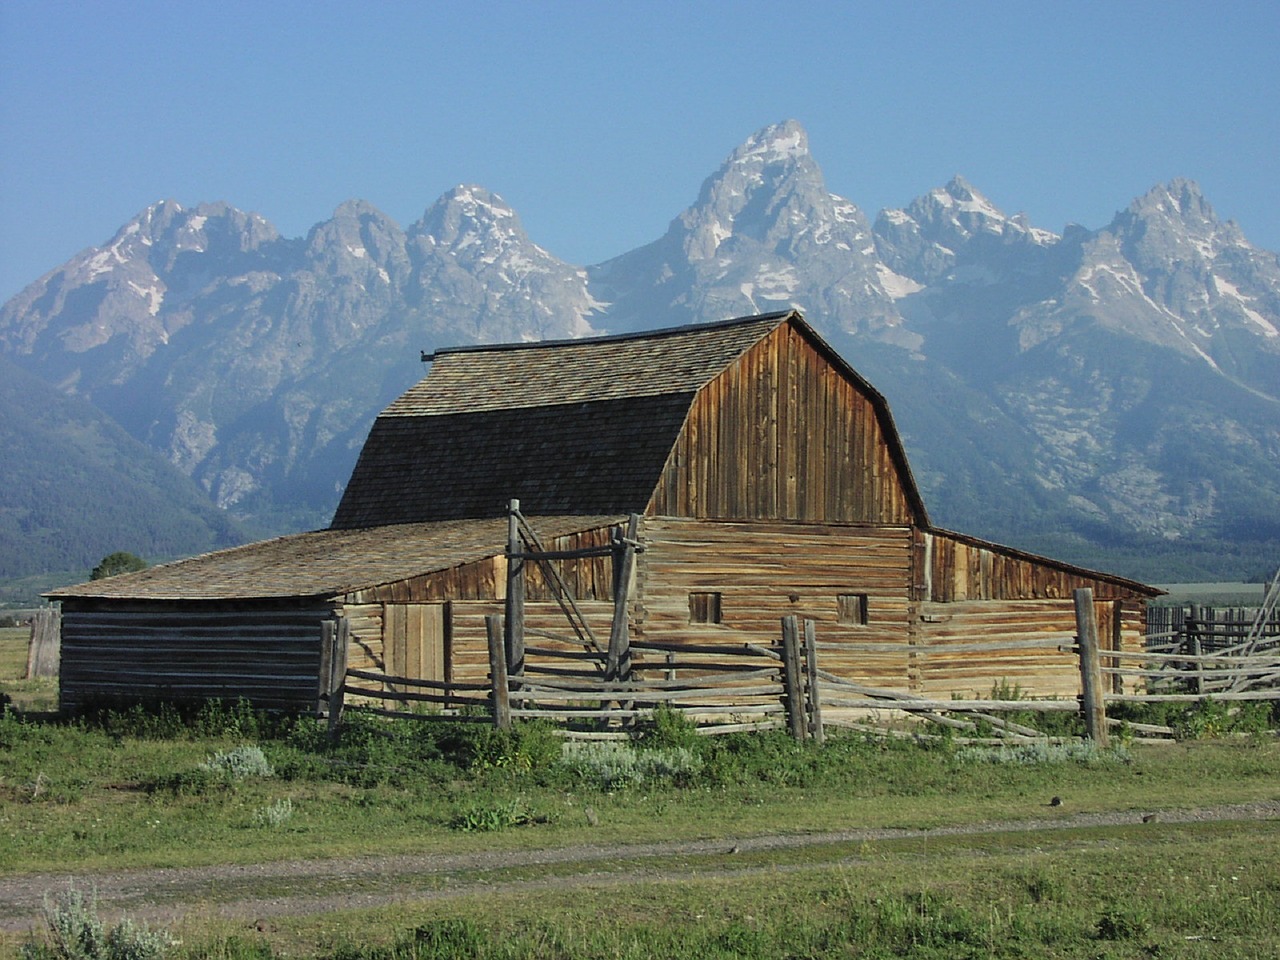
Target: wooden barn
{"points": [[769, 480]]}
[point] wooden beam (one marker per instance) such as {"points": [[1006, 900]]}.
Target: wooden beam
{"points": [[1091, 692], [501, 691]]}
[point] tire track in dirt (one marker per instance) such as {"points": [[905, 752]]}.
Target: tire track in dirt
{"points": [[300, 887]]}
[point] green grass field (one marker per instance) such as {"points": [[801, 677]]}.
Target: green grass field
{"points": [[223, 786]]}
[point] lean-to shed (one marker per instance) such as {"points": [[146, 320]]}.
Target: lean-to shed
{"points": [[770, 480]]}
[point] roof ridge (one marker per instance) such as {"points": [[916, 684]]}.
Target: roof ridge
{"points": [[681, 329]]}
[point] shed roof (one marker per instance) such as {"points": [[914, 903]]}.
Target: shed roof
{"points": [[324, 563]]}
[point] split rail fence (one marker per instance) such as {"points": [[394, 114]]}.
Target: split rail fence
{"points": [[590, 693], [604, 687]]}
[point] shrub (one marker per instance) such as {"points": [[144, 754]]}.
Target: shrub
{"points": [[274, 814], [1043, 752], [76, 932], [670, 729], [497, 815], [615, 766], [239, 764]]}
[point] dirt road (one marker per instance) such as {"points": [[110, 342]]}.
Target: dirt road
{"points": [[260, 891]]}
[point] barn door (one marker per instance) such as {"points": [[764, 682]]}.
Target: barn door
{"points": [[414, 640]]}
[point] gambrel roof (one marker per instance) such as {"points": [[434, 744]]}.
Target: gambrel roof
{"points": [[576, 426]]}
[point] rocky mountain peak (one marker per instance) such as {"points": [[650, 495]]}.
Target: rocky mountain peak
{"points": [[769, 189], [468, 219], [1174, 221], [777, 143]]}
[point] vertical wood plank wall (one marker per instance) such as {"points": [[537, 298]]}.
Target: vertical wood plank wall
{"points": [[782, 434], [465, 595]]}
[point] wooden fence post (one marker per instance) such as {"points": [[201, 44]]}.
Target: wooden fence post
{"points": [[340, 637], [1092, 704], [618, 661], [514, 625], [792, 678], [811, 668], [325, 675], [44, 649], [501, 699]]}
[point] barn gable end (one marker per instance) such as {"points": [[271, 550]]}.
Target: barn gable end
{"points": [[788, 432]]}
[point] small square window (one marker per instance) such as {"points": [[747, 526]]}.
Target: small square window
{"points": [[704, 608], [852, 609]]}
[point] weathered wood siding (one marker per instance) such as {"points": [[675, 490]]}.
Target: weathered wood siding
{"points": [[783, 434], [765, 571], [959, 568], [456, 647], [590, 578], [966, 648], [470, 645], [995, 616], [991, 615], [266, 652]]}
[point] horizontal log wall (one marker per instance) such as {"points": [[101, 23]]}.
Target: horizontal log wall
{"points": [[967, 648], [782, 434], [765, 571], [267, 653]]}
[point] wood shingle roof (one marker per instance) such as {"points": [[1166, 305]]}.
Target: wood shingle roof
{"points": [[570, 426], [324, 563], [680, 360]]}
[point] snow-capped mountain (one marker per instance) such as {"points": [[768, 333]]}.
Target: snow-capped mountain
{"points": [[219, 343], [764, 234], [1062, 392]]}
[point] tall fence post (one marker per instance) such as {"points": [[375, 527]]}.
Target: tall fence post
{"points": [[514, 626], [498, 673], [618, 661], [793, 679], [338, 636], [327, 629], [814, 708], [45, 647], [1092, 704]]}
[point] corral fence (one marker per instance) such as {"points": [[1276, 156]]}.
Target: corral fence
{"points": [[719, 688], [748, 686], [604, 686]]}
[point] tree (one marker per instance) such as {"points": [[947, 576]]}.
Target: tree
{"points": [[118, 562]]}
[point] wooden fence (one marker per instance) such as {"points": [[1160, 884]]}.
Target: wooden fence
{"points": [[592, 687], [724, 688], [721, 688]]}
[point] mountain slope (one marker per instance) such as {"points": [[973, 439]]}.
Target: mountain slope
{"points": [[75, 487], [256, 364]]}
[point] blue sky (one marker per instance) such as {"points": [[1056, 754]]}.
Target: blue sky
{"points": [[598, 121]]}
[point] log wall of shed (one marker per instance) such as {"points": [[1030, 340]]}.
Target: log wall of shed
{"points": [[1006, 627], [765, 571], [966, 648], [783, 434], [267, 652]]}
